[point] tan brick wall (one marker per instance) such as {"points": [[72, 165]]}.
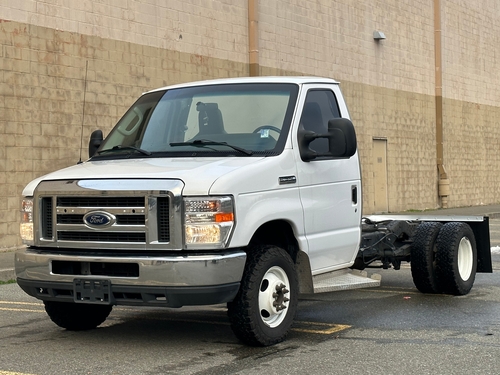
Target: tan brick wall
{"points": [[406, 120], [42, 79], [389, 85], [471, 152], [471, 51], [335, 39], [136, 45], [471, 110], [209, 28]]}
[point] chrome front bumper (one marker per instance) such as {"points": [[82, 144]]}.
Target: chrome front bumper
{"points": [[172, 280]]}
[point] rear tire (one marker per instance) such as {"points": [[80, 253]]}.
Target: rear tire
{"points": [[76, 317], [423, 257], [456, 258], [263, 310]]}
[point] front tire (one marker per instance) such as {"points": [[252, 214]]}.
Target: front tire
{"points": [[263, 310], [456, 258], [76, 317]]}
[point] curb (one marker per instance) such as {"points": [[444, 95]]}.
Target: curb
{"points": [[7, 274]]}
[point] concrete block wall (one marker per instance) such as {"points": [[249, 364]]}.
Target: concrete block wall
{"points": [[46, 52], [389, 85], [472, 95], [133, 46]]}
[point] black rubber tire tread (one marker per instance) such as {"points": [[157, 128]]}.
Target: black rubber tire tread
{"points": [[447, 272], [423, 254], [243, 311], [76, 316]]}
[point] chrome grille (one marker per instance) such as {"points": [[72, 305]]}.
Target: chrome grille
{"points": [[133, 218], [101, 237], [99, 202], [120, 219], [47, 214], [163, 220]]}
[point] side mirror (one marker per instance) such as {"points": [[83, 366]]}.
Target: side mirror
{"points": [[341, 138], [96, 139]]}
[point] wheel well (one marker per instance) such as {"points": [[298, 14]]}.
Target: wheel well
{"points": [[278, 233]]}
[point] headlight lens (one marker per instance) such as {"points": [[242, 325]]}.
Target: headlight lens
{"points": [[26, 226], [208, 221]]}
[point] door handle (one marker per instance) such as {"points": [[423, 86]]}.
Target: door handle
{"points": [[354, 194]]}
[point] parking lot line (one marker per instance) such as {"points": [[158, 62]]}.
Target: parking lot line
{"points": [[318, 328]]}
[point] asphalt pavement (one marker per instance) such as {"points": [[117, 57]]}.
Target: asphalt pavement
{"points": [[492, 211]]}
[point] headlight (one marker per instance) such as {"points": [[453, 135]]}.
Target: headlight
{"points": [[26, 227], [208, 221]]}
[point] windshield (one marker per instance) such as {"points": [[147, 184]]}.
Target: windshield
{"points": [[231, 119]]}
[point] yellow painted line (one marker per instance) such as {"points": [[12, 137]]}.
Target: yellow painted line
{"points": [[13, 373], [21, 310], [21, 303], [308, 327], [391, 291], [328, 330]]}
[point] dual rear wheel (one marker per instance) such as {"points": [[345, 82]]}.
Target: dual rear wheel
{"points": [[444, 258]]}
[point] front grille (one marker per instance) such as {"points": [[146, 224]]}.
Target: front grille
{"points": [[120, 219], [124, 211], [109, 214], [47, 215], [121, 237], [100, 202], [69, 219], [163, 220]]}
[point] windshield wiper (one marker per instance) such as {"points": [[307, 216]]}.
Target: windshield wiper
{"points": [[206, 142], [119, 148]]}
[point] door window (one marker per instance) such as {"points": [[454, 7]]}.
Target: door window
{"points": [[319, 108]]}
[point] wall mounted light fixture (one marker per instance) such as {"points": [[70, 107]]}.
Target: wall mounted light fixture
{"points": [[378, 35]]}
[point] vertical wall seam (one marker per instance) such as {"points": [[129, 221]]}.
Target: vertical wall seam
{"points": [[443, 186], [253, 37]]}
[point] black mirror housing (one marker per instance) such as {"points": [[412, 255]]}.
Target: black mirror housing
{"points": [[96, 139], [342, 141]]}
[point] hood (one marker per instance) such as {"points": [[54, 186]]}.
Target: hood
{"points": [[198, 174]]}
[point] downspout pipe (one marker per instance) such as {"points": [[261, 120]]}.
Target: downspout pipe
{"points": [[253, 37], [444, 182]]}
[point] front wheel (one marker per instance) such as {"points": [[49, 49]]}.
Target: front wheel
{"points": [[264, 308], [76, 317], [456, 258]]}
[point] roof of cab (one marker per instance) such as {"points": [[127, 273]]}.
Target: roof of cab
{"points": [[299, 80]]}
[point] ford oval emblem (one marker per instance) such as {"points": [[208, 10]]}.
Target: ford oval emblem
{"points": [[99, 219]]}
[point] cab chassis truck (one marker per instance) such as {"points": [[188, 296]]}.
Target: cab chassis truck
{"points": [[244, 191]]}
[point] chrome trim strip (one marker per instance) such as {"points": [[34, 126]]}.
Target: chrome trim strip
{"points": [[114, 228], [112, 210]]}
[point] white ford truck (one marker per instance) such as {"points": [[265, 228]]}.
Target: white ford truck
{"points": [[243, 191]]}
